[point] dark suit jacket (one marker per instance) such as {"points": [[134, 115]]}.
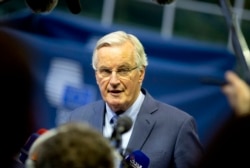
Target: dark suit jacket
{"points": [[167, 135]]}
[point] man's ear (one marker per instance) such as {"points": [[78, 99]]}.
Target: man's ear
{"points": [[142, 74]]}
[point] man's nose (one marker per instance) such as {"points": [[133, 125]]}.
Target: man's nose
{"points": [[114, 77]]}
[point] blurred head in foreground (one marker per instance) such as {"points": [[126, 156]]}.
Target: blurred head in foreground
{"points": [[74, 145]]}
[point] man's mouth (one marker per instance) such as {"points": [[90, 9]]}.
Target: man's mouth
{"points": [[114, 91]]}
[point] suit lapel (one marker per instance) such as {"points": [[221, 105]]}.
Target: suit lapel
{"points": [[144, 124], [142, 128], [97, 118]]}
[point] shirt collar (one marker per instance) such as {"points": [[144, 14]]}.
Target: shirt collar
{"points": [[132, 111]]}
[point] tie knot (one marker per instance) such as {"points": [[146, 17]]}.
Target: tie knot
{"points": [[113, 120]]}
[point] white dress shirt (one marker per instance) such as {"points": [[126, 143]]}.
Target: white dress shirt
{"points": [[132, 112]]}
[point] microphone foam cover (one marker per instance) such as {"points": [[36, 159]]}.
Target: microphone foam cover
{"points": [[125, 122], [163, 2], [40, 6], [74, 6]]}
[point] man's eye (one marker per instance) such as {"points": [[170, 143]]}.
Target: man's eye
{"points": [[104, 72], [122, 70], [107, 71]]}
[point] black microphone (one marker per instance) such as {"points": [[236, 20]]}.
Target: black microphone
{"points": [[136, 159], [74, 6], [214, 81], [124, 123], [25, 149], [40, 6], [163, 2]]}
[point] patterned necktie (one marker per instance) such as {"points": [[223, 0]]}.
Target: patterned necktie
{"points": [[113, 120]]}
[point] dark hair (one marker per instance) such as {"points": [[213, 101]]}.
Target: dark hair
{"points": [[16, 88], [230, 145]]}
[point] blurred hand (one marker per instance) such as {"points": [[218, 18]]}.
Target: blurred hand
{"points": [[238, 93]]}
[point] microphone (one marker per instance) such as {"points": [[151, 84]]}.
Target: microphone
{"points": [[136, 159], [25, 149], [163, 2], [74, 6], [214, 81], [124, 123], [40, 6]]}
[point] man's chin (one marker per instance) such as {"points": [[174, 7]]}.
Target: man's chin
{"points": [[115, 104]]}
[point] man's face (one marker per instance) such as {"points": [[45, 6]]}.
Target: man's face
{"points": [[118, 77]]}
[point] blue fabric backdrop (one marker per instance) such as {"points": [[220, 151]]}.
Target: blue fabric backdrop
{"points": [[61, 63]]}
